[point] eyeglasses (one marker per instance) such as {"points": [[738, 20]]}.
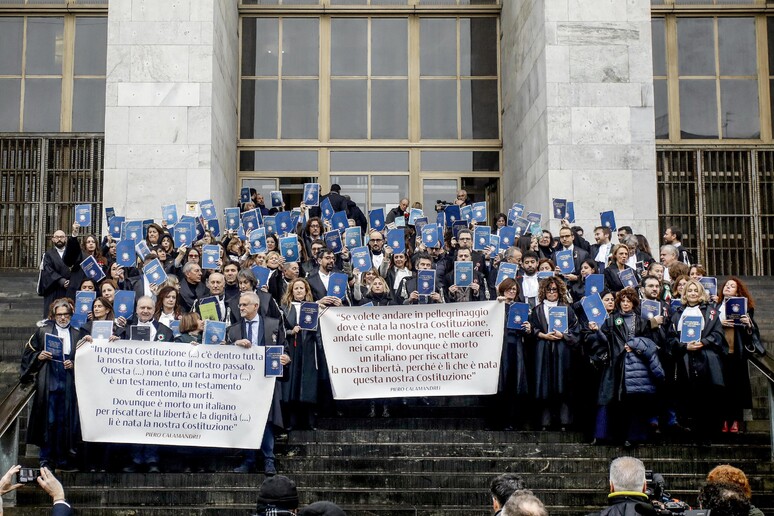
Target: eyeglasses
{"points": [[464, 238], [63, 314], [376, 240], [552, 289]]}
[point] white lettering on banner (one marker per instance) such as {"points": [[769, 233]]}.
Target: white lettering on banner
{"points": [[416, 350], [173, 394]]}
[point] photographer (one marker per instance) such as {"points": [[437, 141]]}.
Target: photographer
{"points": [[47, 481], [627, 489]]}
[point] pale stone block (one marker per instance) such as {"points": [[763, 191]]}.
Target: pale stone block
{"points": [[207, 34], [150, 192], [158, 125], [605, 157], [601, 190], [116, 124], [113, 31], [644, 192], [600, 125], [161, 157], [599, 64], [198, 183], [204, 10], [555, 156], [162, 63], [158, 94], [643, 125], [598, 95], [561, 182], [638, 10], [559, 124], [596, 10], [115, 187], [161, 33], [598, 33], [161, 10], [200, 63], [199, 125], [641, 64], [556, 10], [205, 94], [557, 64], [120, 10], [205, 157], [118, 63], [110, 157], [111, 94]]}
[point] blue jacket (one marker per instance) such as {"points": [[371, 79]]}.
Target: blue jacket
{"points": [[642, 368]]}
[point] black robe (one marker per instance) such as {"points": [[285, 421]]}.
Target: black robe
{"points": [[514, 362], [307, 361], [553, 358], [55, 272]]}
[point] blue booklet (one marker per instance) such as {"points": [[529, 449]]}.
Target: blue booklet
{"points": [[674, 305], [54, 345], [557, 319], [479, 212], [257, 240], [710, 285], [109, 213], [507, 237], [154, 272], [326, 209], [419, 224], [92, 270], [208, 209], [214, 333], [78, 320], [595, 284], [123, 303], [132, 230], [570, 212], [649, 308], [494, 242], [518, 314], [607, 219], [565, 261], [184, 234], [241, 233], [512, 217], [210, 256], [594, 309], [361, 258], [213, 226], [337, 285], [376, 219], [232, 218], [463, 274], [269, 222], [244, 195], [518, 209], [276, 199], [312, 194], [535, 220], [736, 307], [457, 226], [272, 361], [84, 300], [333, 241], [125, 253], [440, 219], [481, 237], [169, 214], [339, 221], [431, 236], [175, 327], [295, 214], [541, 275], [352, 237], [506, 270], [101, 330], [308, 315], [400, 222], [560, 208], [116, 226], [199, 228], [396, 239], [250, 221], [425, 282], [691, 329], [628, 277], [289, 248], [142, 249], [414, 214], [282, 223], [466, 213], [521, 226], [83, 214], [452, 213]]}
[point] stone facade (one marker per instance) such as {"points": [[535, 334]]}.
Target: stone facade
{"points": [[578, 109], [168, 139]]}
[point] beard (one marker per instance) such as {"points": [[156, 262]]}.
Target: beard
{"points": [[59, 244]]}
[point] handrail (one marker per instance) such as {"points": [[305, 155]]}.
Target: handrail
{"points": [[765, 364], [13, 403]]}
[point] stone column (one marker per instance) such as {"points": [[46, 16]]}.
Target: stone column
{"points": [[578, 109], [171, 104]]}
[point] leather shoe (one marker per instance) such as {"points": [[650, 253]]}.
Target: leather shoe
{"points": [[268, 468], [153, 468], [243, 468]]}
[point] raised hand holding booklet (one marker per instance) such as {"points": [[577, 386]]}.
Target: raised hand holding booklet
{"points": [[628, 277], [208, 209], [154, 272], [276, 199], [250, 220], [169, 214], [333, 241], [339, 221], [710, 285], [54, 345], [352, 237], [337, 285], [92, 269], [479, 212], [425, 282], [649, 308], [506, 270], [594, 309], [125, 253], [123, 303], [565, 261], [396, 239], [481, 237], [232, 218], [560, 208], [595, 283], [607, 219], [376, 219], [507, 237], [736, 307], [257, 240], [312, 194], [361, 259], [283, 223], [289, 248], [431, 235], [326, 209], [83, 214]]}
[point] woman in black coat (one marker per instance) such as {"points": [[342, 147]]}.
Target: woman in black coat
{"points": [[577, 288], [379, 295], [554, 355], [699, 369], [616, 265]]}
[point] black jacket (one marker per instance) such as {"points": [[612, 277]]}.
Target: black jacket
{"points": [[625, 504]]}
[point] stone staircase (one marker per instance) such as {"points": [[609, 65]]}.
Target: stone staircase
{"points": [[424, 461]]}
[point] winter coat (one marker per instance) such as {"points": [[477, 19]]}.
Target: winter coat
{"points": [[642, 368], [701, 367]]}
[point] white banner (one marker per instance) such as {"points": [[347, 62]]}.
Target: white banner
{"points": [[413, 350], [172, 394]]}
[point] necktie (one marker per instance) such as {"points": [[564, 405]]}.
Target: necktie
{"points": [[250, 330]]}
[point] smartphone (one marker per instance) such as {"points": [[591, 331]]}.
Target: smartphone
{"points": [[27, 475]]}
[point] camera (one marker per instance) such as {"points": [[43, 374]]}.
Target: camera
{"points": [[27, 475], [441, 205], [662, 502]]}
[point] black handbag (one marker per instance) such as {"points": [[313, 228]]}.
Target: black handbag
{"points": [[755, 346]]}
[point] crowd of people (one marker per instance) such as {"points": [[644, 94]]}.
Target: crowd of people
{"points": [[625, 380]]}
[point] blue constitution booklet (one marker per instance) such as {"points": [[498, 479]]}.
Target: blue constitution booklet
{"points": [[131, 230], [333, 241], [261, 275], [326, 209], [250, 221], [154, 272], [269, 222], [710, 285], [276, 199], [541, 275], [560, 208], [570, 212], [425, 282], [674, 305], [691, 329], [123, 303], [595, 284], [452, 214], [419, 224], [440, 219], [376, 219], [337, 285], [169, 214], [54, 345], [273, 365], [289, 248], [244, 195], [607, 219], [463, 274], [213, 226], [431, 235], [282, 223], [565, 261], [175, 327], [125, 253], [210, 256], [521, 225], [116, 226], [736, 307], [396, 239], [109, 214], [361, 258], [414, 214], [308, 315], [142, 249], [507, 237], [83, 214], [101, 330], [479, 212], [84, 299], [208, 209], [92, 270], [557, 316], [258, 241], [466, 213], [352, 237], [481, 237], [594, 309], [518, 314], [339, 221], [214, 332], [628, 277], [518, 209], [494, 242], [312, 194], [506, 270], [184, 234], [232, 218], [649, 308]]}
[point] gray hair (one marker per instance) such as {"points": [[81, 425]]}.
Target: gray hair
{"points": [[510, 252], [669, 249], [627, 474], [631, 240], [524, 503], [145, 298], [251, 296], [188, 266]]}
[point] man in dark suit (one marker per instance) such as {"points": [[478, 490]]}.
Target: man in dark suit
{"points": [[407, 292], [600, 251], [566, 243], [256, 330], [191, 288], [319, 280], [527, 279], [54, 273], [477, 291], [139, 283], [143, 316], [216, 284], [47, 481]]}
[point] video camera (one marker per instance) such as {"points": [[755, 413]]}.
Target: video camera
{"points": [[662, 502], [441, 205]]}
